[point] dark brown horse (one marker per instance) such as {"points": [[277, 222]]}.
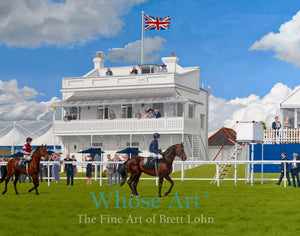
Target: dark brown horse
{"points": [[165, 167], [33, 169]]}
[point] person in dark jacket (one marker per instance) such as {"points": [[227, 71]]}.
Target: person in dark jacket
{"points": [[284, 158], [295, 170], [153, 148], [69, 169]]}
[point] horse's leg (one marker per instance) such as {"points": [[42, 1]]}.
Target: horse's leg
{"points": [[129, 183], [161, 180], [17, 175], [35, 179], [172, 183], [136, 180], [6, 182]]}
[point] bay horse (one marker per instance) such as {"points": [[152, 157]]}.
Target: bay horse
{"points": [[165, 167], [33, 169]]}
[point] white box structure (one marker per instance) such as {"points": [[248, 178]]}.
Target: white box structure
{"points": [[249, 132]]}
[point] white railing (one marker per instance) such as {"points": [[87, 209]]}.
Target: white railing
{"points": [[282, 136], [120, 80], [249, 170], [118, 126]]}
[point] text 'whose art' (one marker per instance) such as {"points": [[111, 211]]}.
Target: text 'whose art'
{"points": [[144, 202]]}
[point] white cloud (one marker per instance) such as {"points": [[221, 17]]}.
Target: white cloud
{"points": [[223, 113], [10, 92], [132, 51], [30, 23], [286, 43]]}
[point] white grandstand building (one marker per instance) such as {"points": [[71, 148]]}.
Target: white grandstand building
{"points": [[177, 95]]}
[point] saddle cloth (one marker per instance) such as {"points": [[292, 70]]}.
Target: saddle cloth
{"points": [[148, 163], [22, 164]]}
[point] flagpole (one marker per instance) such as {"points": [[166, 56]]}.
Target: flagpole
{"points": [[142, 41]]}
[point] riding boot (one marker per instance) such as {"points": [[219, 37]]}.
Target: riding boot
{"points": [[27, 168], [156, 167]]}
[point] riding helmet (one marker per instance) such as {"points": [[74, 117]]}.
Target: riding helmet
{"points": [[28, 139], [156, 135]]}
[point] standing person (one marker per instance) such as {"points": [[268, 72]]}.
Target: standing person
{"points": [[74, 165], [97, 158], [283, 155], [134, 71], [157, 113], [164, 69], [138, 115], [150, 113], [295, 170], [69, 169], [116, 169], [56, 167], [3, 168], [73, 117], [109, 72], [276, 125], [110, 171], [112, 115], [89, 169], [41, 169]]}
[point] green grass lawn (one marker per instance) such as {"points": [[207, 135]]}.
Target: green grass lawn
{"points": [[265, 209]]}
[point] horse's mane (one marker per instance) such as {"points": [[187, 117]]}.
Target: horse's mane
{"points": [[170, 149], [36, 151]]}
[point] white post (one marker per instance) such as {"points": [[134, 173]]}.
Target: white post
{"points": [[262, 165], [235, 164], [96, 172], [218, 174], [156, 181], [142, 40], [252, 165], [246, 164], [48, 169], [295, 118], [101, 170], [182, 171]]}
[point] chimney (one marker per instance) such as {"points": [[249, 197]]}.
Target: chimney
{"points": [[170, 62], [98, 61]]}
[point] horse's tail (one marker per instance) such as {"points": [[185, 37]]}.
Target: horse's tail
{"points": [[3, 175], [123, 173]]}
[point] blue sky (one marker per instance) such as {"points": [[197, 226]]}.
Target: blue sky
{"points": [[214, 34]]}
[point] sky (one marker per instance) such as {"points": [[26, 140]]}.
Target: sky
{"points": [[248, 51]]}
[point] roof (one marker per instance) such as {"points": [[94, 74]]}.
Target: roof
{"points": [[220, 137], [122, 97], [292, 101], [13, 138]]}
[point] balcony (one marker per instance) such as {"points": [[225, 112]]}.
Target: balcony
{"points": [[126, 126], [285, 136]]}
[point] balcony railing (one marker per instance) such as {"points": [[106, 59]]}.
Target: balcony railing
{"points": [[284, 136], [119, 126]]}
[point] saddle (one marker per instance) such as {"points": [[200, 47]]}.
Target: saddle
{"points": [[149, 162], [22, 163]]}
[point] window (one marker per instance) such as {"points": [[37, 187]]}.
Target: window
{"points": [[126, 111], [100, 112], [191, 111], [179, 109], [202, 121]]}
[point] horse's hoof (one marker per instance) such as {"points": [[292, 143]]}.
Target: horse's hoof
{"points": [[3, 192], [17, 193], [159, 195], [37, 193], [166, 193], [131, 196], [137, 196]]}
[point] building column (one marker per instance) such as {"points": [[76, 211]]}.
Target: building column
{"points": [[295, 118]]}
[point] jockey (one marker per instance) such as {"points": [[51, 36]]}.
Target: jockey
{"points": [[27, 149], [153, 149]]}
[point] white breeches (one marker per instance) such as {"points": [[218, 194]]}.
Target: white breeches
{"points": [[158, 156]]}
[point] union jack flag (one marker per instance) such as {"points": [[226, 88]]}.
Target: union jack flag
{"points": [[156, 23]]}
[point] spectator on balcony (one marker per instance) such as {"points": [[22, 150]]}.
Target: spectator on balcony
{"points": [[276, 125], [287, 124], [112, 115], [145, 114], [138, 115], [157, 113], [150, 113], [67, 117], [109, 72], [282, 167], [73, 117], [134, 71], [164, 69]]}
